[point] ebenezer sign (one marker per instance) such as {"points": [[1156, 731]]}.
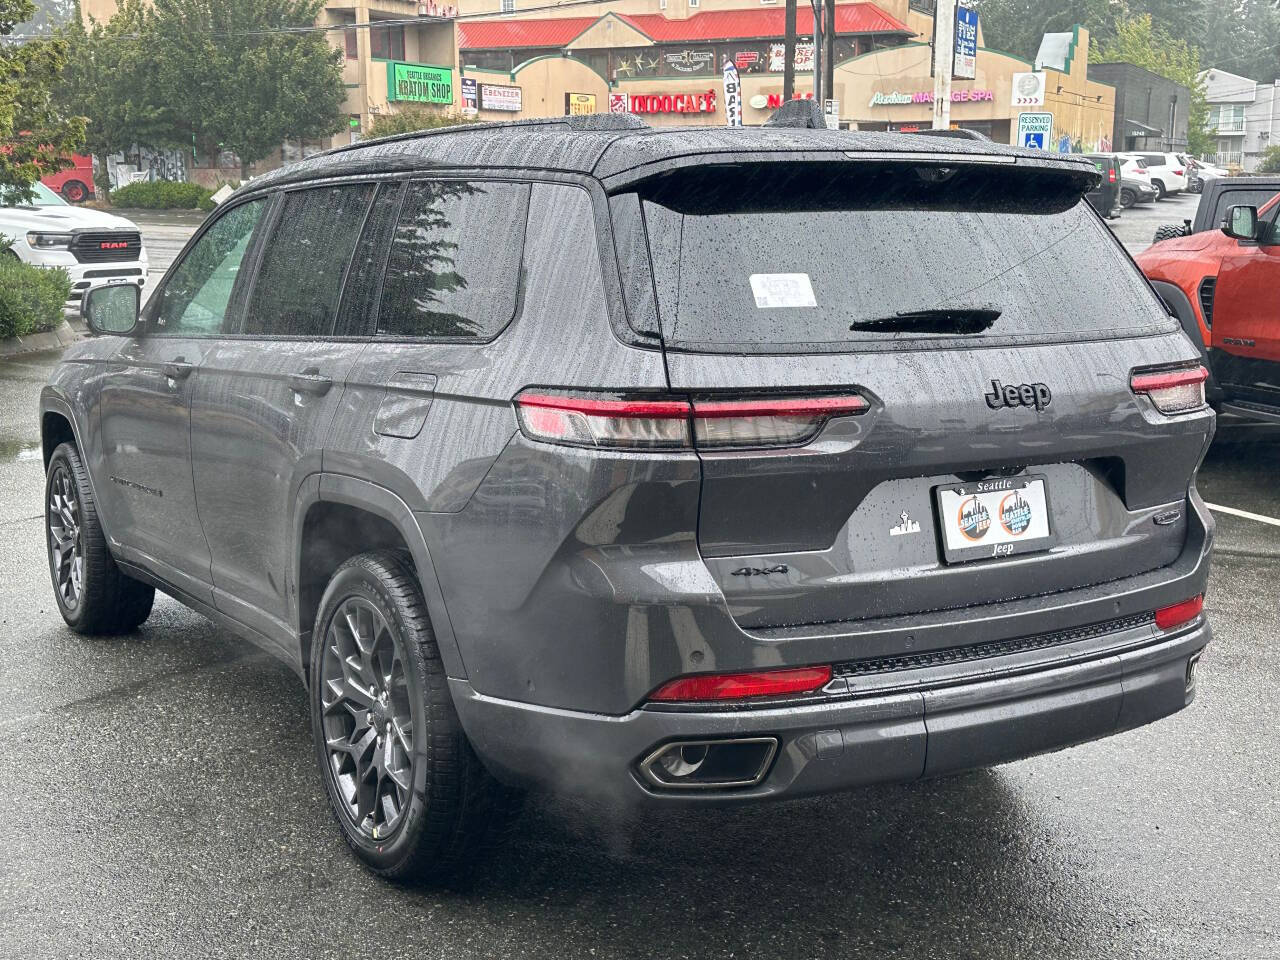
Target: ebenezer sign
{"points": [[417, 83]]}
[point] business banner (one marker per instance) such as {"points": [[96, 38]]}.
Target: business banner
{"points": [[494, 96], [966, 59], [732, 95]]}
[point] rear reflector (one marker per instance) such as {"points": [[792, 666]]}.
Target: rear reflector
{"points": [[1179, 613], [1173, 391], [739, 686], [671, 423]]}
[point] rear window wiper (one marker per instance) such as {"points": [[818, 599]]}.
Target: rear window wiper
{"points": [[959, 321]]}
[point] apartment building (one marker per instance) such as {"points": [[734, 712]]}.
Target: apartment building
{"points": [[1244, 118]]}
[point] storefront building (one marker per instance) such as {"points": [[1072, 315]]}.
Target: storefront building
{"points": [[668, 69]]}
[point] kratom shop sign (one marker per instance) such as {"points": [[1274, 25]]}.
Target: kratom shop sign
{"points": [[897, 99], [419, 83]]}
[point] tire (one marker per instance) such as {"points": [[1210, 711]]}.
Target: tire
{"points": [[93, 594], [73, 191], [1160, 191], [1168, 231], [1128, 198], [431, 800]]}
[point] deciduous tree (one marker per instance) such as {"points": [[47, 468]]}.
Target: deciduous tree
{"points": [[36, 134]]}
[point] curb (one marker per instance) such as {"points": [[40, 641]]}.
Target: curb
{"points": [[60, 337]]}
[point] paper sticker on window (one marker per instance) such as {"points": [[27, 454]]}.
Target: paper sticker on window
{"points": [[782, 290]]}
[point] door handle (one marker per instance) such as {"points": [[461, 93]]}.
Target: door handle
{"points": [[310, 380], [178, 369]]}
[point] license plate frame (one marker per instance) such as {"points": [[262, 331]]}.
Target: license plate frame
{"points": [[997, 540]]}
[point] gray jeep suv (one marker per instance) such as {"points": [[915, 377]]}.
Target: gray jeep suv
{"points": [[681, 466]]}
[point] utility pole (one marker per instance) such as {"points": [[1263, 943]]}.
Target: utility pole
{"points": [[944, 52], [816, 7], [829, 53], [789, 53]]}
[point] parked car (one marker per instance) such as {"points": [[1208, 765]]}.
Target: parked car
{"points": [[1198, 171], [1168, 172], [74, 184], [92, 246], [535, 478], [1135, 182], [1221, 282], [1104, 197]]}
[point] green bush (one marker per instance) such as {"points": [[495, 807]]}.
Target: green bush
{"points": [[31, 298], [162, 195]]}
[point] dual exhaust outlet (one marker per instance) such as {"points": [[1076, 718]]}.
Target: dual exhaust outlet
{"points": [[710, 764]]}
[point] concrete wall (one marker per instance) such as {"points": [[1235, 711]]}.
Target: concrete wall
{"points": [[1143, 97]]}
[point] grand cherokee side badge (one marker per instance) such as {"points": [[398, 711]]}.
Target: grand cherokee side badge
{"points": [[1035, 395]]}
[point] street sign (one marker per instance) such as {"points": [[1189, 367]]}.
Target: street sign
{"points": [[965, 66], [1035, 130], [831, 114], [1028, 90]]}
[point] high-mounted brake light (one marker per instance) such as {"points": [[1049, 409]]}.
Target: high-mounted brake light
{"points": [[1175, 615], [647, 423], [1173, 391], [740, 686]]}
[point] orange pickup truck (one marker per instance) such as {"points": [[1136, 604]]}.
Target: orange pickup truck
{"points": [[1221, 278]]}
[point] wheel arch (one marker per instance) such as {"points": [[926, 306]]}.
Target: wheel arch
{"points": [[338, 517]]}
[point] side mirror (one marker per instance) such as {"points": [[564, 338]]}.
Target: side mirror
{"points": [[112, 310], [1241, 223]]}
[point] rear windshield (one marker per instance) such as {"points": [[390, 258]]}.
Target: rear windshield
{"points": [[789, 259]]}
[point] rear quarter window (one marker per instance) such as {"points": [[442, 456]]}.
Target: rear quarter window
{"points": [[454, 267]]}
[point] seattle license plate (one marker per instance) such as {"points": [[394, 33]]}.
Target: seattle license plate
{"points": [[997, 517]]}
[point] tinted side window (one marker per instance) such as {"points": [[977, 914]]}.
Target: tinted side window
{"points": [[1242, 196], [454, 268], [361, 291], [305, 260], [1154, 159], [197, 297]]}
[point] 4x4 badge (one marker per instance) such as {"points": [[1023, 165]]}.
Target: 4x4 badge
{"points": [[905, 525]]}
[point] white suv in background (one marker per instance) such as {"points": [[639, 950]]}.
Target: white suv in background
{"points": [[1168, 172], [95, 248]]}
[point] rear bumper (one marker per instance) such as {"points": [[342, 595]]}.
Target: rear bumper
{"points": [[924, 726]]}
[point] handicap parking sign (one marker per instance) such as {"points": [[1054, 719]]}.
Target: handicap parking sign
{"points": [[1035, 130]]}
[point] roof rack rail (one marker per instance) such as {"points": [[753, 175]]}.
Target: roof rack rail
{"points": [[582, 122], [957, 134]]}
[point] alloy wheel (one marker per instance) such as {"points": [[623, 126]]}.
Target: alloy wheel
{"points": [[66, 551], [367, 718]]}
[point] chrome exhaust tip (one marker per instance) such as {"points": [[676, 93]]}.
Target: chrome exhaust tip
{"points": [[710, 764]]}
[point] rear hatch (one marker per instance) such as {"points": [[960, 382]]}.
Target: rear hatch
{"points": [[991, 323]]}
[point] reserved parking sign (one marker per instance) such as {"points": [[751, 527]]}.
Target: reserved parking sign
{"points": [[1035, 130]]}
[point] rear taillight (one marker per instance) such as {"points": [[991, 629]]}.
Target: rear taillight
{"points": [[1177, 173], [1173, 391], [1112, 173], [1177, 614], [638, 424], [740, 686], [649, 423], [781, 422]]}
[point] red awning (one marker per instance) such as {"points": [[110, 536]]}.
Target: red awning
{"points": [[851, 18]]}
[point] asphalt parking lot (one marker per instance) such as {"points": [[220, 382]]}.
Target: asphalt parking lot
{"points": [[161, 800], [1136, 226]]}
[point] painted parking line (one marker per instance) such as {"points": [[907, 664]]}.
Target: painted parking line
{"points": [[1244, 513]]}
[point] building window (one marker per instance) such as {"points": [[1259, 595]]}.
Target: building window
{"points": [[508, 6], [387, 42], [693, 3], [349, 36]]}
